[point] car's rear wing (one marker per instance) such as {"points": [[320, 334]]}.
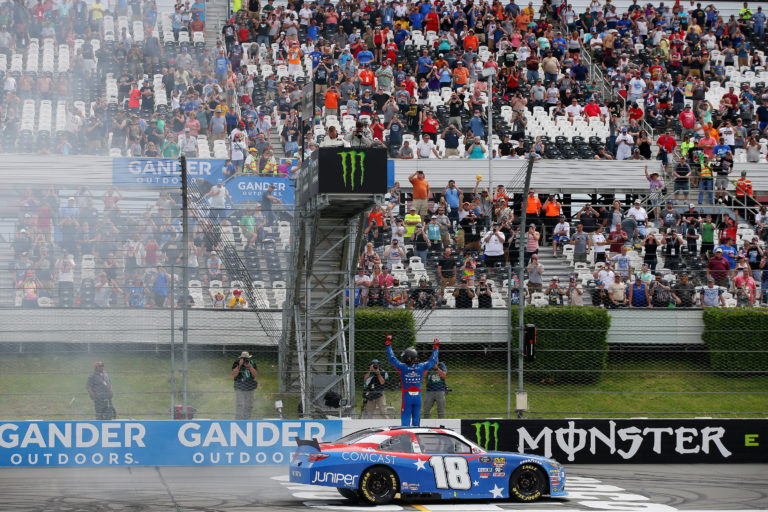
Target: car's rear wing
{"points": [[307, 445]]}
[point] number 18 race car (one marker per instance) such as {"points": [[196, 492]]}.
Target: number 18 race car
{"points": [[376, 466]]}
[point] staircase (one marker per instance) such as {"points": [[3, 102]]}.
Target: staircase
{"points": [[215, 18], [317, 351]]}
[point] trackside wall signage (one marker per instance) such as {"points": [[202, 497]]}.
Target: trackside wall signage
{"points": [[156, 443], [163, 172], [631, 440]]}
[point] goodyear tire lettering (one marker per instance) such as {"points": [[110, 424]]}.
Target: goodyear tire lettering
{"points": [[526, 483]]}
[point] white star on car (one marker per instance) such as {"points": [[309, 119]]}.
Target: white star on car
{"points": [[475, 483], [420, 464], [496, 491]]}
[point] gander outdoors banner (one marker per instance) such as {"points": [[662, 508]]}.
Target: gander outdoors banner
{"points": [[156, 443], [163, 172], [630, 440]]}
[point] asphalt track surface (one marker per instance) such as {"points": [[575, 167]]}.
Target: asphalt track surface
{"points": [[607, 488]]}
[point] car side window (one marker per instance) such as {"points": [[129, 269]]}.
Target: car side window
{"points": [[400, 443], [441, 443]]}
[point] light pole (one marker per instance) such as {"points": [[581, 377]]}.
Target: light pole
{"points": [[489, 74]]}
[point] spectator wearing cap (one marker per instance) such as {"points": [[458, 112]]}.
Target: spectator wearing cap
{"points": [[718, 268], [421, 193], [396, 295], [729, 251], [561, 234], [423, 296], [237, 301], [421, 242], [638, 294], [375, 380], [554, 292], [712, 295]]}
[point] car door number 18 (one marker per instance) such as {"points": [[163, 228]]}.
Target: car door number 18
{"points": [[451, 472]]}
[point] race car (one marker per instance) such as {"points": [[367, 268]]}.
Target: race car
{"points": [[378, 465]]}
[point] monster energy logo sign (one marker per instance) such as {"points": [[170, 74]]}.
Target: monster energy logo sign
{"points": [[483, 432], [350, 167]]}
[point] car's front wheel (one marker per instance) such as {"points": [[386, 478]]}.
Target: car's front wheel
{"points": [[527, 483], [378, 485], [350, 494]]}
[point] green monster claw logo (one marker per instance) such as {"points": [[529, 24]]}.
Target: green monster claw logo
{"points": [[352, 166], [483, 434]]}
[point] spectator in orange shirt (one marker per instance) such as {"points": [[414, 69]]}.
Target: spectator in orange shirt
{"points": [[460, 75], [532, 207], [366, 79], [521, 22], [331, 101], [471, 43], [421, 192]]}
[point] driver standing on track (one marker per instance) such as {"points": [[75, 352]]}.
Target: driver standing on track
{"points": [[411, 375]]}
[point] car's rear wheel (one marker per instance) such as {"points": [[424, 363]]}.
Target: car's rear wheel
{"points": [[350, 494], [378, 485], [527, 483]]}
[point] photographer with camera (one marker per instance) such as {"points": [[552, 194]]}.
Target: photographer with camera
{"points": [[374, 402], [361, 136], [244, 372], [100, 389], [484, 293]]}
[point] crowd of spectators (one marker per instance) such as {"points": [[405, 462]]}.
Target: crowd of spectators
{"points": [[112, 248], [418, 73], [460, 249]]}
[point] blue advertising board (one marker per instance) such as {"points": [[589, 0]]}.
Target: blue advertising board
{"points": [[247, 189], [157, 443], [163, 172]]}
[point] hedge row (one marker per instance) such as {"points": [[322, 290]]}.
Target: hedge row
{"points": [[737, 340], [571, 343]]}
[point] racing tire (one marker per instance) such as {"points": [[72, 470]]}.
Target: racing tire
{"points": [[378, 485], [527, 483], [350, 494]]}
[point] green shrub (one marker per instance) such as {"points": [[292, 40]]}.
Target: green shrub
{"points": [[371, 328], [571, 343], [737, 340]]}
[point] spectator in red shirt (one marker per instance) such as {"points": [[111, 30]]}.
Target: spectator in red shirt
{"points": [[687, 121], [593, 109], [377, 129], [432, 20], [635, 113], [667, 144], [430, 126], [729, 101]]}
